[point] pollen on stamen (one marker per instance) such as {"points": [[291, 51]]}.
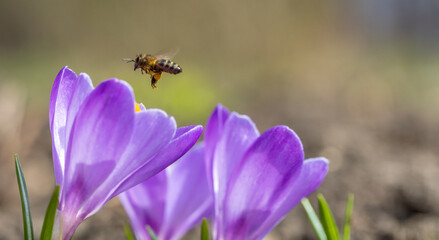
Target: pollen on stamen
{"points": [[137, 107]]}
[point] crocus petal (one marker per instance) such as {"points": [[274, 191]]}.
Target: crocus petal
{"points": [[145, 205], [214, 129], [142, 107], [153, 130], [189, 197], [312, 174], [238, 134], [172, 209], [83, 88], [269, 168], [62, 92], [183, 140], [99, 136]]}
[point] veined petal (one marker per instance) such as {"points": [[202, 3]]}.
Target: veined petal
{"points": [[68, 93], [189, 198], [62, 92], [312, 174], [145, 205], [172, 201], [83, 88], [269, 168], [183, 140], [153, 130], [214, 129], [100, 133], [85, 179], [238, 134]]}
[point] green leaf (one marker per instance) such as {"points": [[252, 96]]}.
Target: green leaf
{"points": [[314, 219], [204, 230], [327, 219], [151, 233], [25, 206], [128, 233], [347, 218], [49, 218]]}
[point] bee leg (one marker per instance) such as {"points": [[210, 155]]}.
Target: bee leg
{"points": [[154, 79], [153, 82], [158, 76]]}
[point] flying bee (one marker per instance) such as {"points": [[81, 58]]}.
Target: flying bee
{"points": [[155, 65]]}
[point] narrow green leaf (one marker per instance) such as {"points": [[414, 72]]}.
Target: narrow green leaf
{"points": [[327, 219], [151, 233], [128, 233], [25, 206], [314, 219], [204, 230], [49, 218], [347, 218]]}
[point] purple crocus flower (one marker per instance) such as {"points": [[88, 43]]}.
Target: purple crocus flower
{"points": [[173, 201], [102, 146], [256, 179]]}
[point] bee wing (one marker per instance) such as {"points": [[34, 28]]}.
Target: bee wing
{"points": [[167, 54]]}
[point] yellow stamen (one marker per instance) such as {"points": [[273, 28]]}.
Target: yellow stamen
{"points": [[137, 107]]}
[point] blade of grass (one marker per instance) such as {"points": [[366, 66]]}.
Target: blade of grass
{"points": [[151, 233], [25, 206], [327, 219], [204, 230], [314, 219], [347, 218], [49, 218], [128, 233]]}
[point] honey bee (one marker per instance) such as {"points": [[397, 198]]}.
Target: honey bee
{"points": [[155, 65]]}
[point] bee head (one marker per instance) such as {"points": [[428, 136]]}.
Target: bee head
{"points": [[137, 61]]}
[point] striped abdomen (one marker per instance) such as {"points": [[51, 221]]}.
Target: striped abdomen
{"points": [[167, 66]]}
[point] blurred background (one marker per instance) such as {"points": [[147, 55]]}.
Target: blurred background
{"points": [[356, 79]]}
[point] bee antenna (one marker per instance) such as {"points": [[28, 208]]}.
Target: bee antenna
{"points": [[128, 60]]}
